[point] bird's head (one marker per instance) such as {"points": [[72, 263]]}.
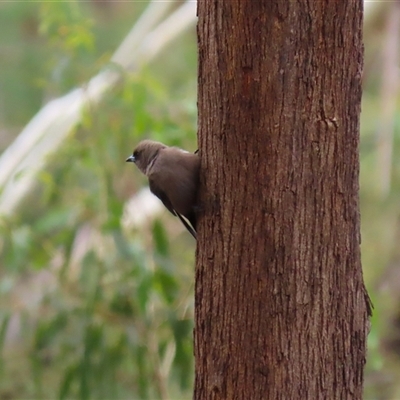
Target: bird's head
{"points": [[145, 153]]}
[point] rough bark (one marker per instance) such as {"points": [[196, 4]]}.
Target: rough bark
{"points": [[281, 308]]}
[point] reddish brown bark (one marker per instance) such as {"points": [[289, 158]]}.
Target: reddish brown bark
{"points": [[281, 308]]}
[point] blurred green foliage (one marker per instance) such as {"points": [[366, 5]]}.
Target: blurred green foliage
{"points": [[91, 308]]}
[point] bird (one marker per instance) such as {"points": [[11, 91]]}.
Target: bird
{"points": [[173, 176]]}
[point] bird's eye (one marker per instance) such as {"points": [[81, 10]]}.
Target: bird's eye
{"points": [[136, 154]]}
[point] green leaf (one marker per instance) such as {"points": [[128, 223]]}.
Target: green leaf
{"points": [[67, 381], [160, 239], [3, 329]]}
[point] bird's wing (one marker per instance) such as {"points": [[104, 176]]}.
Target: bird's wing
{"points": [[162, 196], [167, 203]]}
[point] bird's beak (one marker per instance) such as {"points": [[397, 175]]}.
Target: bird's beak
{"points": [[130, 159]]}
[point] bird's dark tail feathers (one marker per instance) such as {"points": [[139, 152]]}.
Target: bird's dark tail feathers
{"points": [[191, 228]]}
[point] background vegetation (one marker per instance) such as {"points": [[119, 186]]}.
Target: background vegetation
{"points": [[96, 298]]}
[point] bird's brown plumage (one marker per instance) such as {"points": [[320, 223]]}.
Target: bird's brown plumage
{"points": [[173, 176]]}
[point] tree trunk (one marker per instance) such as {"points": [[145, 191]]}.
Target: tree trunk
{"points": [[281, 308]]}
